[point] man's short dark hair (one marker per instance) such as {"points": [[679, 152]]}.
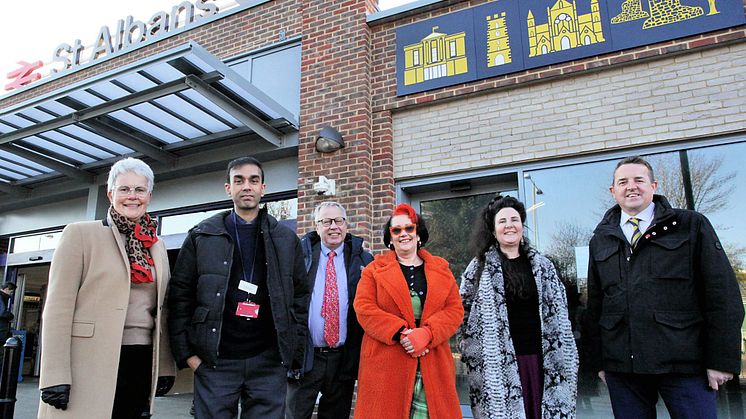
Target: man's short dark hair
{"points": [[9, 285], [634, 160], [242, 161]]}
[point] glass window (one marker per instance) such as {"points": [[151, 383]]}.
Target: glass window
{"points": [[285, 210], [43, 241], [416, 57], [449, 224], [562, 217], [452, 46], [276, 73], [181, 223]]}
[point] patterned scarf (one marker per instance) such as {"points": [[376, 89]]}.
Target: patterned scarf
{"points": [[487, 348], [140, 237]]}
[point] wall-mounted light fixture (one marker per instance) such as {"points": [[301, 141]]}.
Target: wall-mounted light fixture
{"points": [[329, 140]]}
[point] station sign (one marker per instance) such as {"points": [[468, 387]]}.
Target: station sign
{"points": [[128, 34]]}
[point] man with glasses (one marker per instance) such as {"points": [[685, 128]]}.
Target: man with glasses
{"points": [[664, 306], [238, 304], [334, 260]]}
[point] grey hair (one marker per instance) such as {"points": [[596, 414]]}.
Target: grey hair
{"points": [[328, 204], [133, 165]]}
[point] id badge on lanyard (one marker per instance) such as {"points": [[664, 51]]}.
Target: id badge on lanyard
{"points": [[247, 309]]}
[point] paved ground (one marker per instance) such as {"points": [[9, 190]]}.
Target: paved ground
{"points": [[176, 406], [169, 407]]}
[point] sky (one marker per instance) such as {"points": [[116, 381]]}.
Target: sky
{"points": [[33, 33]]}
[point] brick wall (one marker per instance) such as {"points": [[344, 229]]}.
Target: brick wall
{"points": [[673, 90], [675, 98], [335, 90]]}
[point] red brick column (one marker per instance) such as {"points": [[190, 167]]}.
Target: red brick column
{"points": [[335, 91]]}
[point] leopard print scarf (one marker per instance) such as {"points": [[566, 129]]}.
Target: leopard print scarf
{"points": [[140, 237]]}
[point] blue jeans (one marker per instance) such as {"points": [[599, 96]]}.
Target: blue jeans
{"points": [[258, 383], [634, 396]]}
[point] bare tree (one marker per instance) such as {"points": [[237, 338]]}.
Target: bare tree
{"points": [[711, 189], [562, 250]]}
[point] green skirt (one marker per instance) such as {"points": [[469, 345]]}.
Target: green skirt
{"points": [[419, 403]]}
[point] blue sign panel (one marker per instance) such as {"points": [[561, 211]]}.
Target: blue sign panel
{"points": [[435, 53], [497, 38], [507, 36], [560, 30], [636, 22]]}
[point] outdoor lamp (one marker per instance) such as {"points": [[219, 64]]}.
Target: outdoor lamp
{"points": [[329, 140]]}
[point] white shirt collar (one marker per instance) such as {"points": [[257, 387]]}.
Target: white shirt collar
{"points": [[338, 251], [645, 215]]}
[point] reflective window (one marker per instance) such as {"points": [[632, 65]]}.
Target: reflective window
{"points": [[449, 224], [282, 210], [566, 203], [276, 73], [43, 241]]}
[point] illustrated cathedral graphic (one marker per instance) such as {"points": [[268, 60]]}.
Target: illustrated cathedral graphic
{"points": [[565, 29]]}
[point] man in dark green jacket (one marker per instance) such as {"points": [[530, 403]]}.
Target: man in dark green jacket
{"points": [[664, 306], [334, 260], [238, 304]]}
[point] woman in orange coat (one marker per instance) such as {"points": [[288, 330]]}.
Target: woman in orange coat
{"points": [[409, 306]]}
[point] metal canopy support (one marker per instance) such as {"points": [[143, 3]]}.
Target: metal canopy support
{"points": [[62, 168], [129, 141], [12, 189], [256, 124], [105, 108]]}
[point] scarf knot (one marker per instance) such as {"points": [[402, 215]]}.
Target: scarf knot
{"points": [[140, 237]]}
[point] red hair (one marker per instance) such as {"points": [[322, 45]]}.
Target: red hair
{"points": [[404, 209]]}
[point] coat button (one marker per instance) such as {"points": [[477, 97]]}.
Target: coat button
{"points": [[665, 228], [673, 223], [214, 330], [225, 262], [653, 233], [218, 294]]}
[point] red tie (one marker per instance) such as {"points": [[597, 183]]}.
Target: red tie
{"points": [[330, 308]]}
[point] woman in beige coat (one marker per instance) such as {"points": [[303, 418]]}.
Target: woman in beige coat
{"points": [[105, 348]]}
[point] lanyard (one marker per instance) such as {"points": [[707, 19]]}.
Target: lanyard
{"points": [[240, 251]]}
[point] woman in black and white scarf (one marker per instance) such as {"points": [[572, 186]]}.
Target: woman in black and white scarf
{"points": [[516, 339]]}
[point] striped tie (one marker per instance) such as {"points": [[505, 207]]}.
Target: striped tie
{"points": [[636, 232]]}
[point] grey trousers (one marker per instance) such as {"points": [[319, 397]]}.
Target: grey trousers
{"points": [[258, 383]]}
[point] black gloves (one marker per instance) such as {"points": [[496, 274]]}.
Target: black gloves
{"points": [[57, 396], [164, 385]]}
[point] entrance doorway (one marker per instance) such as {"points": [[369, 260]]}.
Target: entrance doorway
{"points": [[450, 210], [31, 282]]}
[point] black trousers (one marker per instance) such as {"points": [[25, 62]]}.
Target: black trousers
{"points": [[134, 382], [336, 394]]}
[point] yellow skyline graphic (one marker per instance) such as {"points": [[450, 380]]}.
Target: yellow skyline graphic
{"points": [[436, 55]]}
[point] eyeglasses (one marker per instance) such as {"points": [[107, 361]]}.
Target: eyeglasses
{"points": [[409, 228], [326, 222], [138, 191]]}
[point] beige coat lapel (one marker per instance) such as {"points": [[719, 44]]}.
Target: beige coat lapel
{"points": [[120, 244], [158, 253]]}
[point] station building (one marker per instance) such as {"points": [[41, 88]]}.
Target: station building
{"points": [[440, 104]]}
